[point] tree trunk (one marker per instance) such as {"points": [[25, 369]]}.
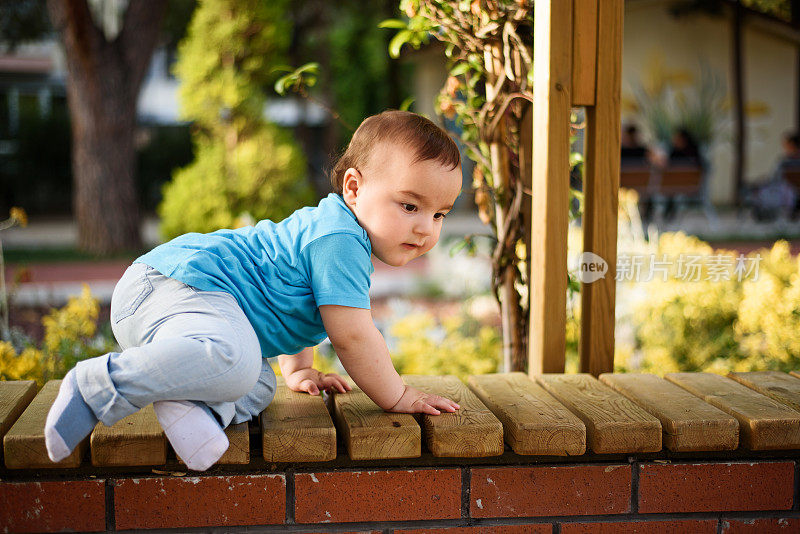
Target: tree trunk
{"points": [[738, 104], [103, 84], [795, 7]]}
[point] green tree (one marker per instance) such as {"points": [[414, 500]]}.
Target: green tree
{"points": [[244, 165], [355, 77]]}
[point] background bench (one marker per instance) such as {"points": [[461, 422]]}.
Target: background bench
{"points": [[684, 183]]}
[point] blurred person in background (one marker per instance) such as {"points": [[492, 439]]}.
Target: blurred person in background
{"points": [[778, 195]]}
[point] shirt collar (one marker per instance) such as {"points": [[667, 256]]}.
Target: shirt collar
{"points": [[340, 201]]}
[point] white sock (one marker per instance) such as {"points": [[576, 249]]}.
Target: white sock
{"points": [[69, 420], [193, 432]]}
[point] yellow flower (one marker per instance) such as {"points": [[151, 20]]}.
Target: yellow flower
{"points": [[75, 321], [24, 366]]}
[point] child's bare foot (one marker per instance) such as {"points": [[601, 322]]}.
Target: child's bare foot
{"points": [[193, 432]]}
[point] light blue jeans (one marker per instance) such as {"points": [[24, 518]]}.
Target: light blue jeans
{"points": [[179, 343]]}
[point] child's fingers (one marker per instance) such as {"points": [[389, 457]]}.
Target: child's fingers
{"points": [[444, 404], [335, 382], [427, 408], [309, 386]]}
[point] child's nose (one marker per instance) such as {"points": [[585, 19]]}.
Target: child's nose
{"points": [[424, 226]]}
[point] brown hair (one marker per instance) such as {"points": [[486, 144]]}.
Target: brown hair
{"points": [[415, 131]]}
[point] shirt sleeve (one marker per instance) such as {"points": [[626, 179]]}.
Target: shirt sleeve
{"points": [[338, 267]]}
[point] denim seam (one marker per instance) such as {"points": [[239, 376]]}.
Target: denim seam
{"points": [[146, 290]]}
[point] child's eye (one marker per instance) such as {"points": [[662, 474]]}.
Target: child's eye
{"points": [[409, 207], [439, 216]]}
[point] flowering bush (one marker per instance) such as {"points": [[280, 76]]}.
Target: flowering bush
{"points": [[24, 366], [719, 325], [458, 345], [70, 335]]}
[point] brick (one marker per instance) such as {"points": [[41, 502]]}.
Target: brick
{"points": [[199, 501], [777, 525], [550, 490], [386, 495], [541, 528], [705, 526], [53, 506], [715, 487]]}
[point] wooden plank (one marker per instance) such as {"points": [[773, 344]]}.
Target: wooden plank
{"points": [[15, 396], [584, 52], [24, 446], [471, 431], [688, 423], [134, 440], [614, 424], [296, 427], [601, 187], [238, 451], [795, 373], [369, 433], [552, 73], [782, 387], [533, 421], [764, 424]]}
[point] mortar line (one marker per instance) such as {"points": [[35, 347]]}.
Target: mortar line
{"points": [[111, 520]]}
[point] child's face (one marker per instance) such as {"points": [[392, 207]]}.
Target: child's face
{"points": [[401, 206]]}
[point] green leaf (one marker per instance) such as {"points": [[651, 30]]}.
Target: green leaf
{"points": [[308, 67], [398, 41], [460, 244], [280, 85], [393, 23], [459, 69], [406, 105]]}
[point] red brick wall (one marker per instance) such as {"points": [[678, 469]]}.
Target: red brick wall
{"points": [[639, 497]]}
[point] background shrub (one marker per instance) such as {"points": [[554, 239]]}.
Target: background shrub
{"points": [[243, 164], [719, 325], [71, 334], [262, 176]]}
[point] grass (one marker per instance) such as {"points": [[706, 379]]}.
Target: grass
{"points": [[59, 255]]}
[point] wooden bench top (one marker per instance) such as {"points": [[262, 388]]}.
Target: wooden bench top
{"points": [[547, 415]]}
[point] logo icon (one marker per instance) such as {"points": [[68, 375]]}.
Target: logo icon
{"points": [[591, 267]]}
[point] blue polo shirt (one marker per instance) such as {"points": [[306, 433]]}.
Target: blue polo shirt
{"points": [[279, 273]]}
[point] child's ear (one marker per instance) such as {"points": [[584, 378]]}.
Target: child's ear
{"points": [[350, 184]]}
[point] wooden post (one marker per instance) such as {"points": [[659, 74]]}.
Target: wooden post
{"points": [[601, 186], [552, 73], [584, 52], [577, 61]]}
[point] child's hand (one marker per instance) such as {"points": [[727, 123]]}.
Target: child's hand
{"points": [[415, 401], [312, 381]]}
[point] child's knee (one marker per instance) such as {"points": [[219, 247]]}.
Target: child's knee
{"points": [[239, 369], [246, 373]]}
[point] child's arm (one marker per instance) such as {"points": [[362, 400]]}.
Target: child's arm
{"points": [[363, 353], [300, 376]]}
